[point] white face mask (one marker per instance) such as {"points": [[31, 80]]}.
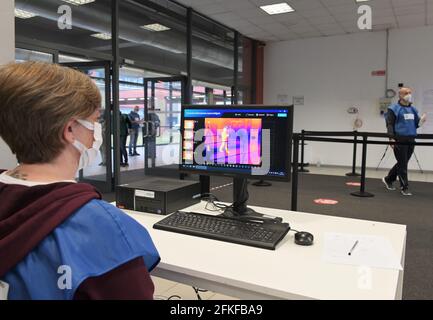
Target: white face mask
{"points": [[408, 98], [89, 156]]}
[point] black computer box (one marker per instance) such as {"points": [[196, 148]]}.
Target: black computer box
{"points": [[158, 195]]}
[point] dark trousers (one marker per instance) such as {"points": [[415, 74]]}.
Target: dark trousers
{"points": [[402, 153], [123, 151], [133, 142]]}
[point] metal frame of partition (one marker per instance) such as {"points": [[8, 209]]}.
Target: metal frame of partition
{"points": [[184, 83], [116, 61]]}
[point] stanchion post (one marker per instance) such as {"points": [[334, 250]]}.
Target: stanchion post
{"points": [[355, 147], [302, 169], [362, 193], [294, 204]]}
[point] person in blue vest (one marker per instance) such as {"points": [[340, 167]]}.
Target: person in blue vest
{"points": [[58, 239], [402, 120]]}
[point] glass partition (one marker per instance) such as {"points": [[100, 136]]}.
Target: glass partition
{"points": [[212, 52], [61, 25]]}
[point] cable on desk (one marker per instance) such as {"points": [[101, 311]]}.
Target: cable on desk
{"points": [[215, 202], [172, 297]]}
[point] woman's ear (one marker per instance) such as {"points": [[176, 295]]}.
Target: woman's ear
{"points": [[68, 134]]}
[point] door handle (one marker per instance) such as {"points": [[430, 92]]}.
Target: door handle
{"points": [[146, 129]]}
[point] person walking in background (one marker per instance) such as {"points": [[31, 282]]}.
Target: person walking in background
{"points": [[134, 117], [125, 129], [402, 120]]}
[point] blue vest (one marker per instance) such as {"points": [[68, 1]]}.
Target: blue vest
{"points": [[91, 242], [406, 120]]}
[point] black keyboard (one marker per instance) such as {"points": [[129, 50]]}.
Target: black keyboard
{"points": [[254, 233]]}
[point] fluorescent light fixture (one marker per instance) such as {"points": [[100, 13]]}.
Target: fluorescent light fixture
{"points": [[155, 27], [78, 2], [277, 8], [23, 14], [102, 36], [361, 0]]}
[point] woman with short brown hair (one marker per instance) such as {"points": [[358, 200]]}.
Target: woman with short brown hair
{"points": [[58, 239]]}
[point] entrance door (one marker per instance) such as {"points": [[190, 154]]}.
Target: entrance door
{"points": [[100, 174], [161, 131]]}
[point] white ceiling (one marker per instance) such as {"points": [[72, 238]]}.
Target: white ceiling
{"points": [[312, 18]]}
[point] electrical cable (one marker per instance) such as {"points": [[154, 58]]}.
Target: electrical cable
{"points": [[215, 202], [197, 292]]}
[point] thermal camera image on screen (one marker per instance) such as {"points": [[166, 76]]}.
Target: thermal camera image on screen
{"points": [[233, 141]]}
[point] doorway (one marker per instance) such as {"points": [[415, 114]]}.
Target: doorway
{"points": [[163, 101]]}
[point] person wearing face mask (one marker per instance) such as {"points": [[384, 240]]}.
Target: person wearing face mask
{"points": [[58, 239], [134, 117], [402, 120]]}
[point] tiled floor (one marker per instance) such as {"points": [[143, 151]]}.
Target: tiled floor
{"points": [[165, 289]]}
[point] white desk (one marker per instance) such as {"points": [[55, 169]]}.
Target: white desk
{"points": [[290, 272]]}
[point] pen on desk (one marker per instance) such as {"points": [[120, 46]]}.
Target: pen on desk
{"points": [[353, 248]]}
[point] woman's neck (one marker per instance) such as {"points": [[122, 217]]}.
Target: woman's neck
{"points": [[58, 170]]}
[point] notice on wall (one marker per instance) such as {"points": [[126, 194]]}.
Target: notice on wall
{"points": [[298, 100], [427, 108], [283, 99]]}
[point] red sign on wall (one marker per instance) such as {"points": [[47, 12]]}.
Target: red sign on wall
{"points": [[378, 73]]}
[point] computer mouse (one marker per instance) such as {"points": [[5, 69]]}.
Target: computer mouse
{"points": [[304, 238]]}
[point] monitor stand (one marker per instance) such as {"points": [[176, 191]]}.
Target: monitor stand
{"points": [[240, 198]]}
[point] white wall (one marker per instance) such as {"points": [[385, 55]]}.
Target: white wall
{"points": [[334, 73], [7, 54]]}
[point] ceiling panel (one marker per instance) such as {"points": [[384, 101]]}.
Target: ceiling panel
{"points": [[312, 18]]}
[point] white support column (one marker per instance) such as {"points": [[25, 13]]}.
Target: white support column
{"points": [[7, 54]]}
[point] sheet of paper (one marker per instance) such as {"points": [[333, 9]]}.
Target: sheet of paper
{"points": [[371, 251]]}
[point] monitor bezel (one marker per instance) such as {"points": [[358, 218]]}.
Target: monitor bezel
{"points": [[286, 178]]}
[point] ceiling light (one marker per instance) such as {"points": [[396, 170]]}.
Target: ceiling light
{"points": [[78, 2], [277, 8], [102, 36], [361, 0], [22, 14], [155, 27]]}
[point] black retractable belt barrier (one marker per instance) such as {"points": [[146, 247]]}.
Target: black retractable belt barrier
{"points": [[362, 193], [302, 169], [295, 169], [321, 136], [355, 147]]}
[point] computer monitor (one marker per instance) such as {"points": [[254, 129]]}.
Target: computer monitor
{"points": [[239, 141]]}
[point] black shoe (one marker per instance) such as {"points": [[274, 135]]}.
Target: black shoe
{"points": [[406, 192], [136, 154], [388, 185], [130, 154]]}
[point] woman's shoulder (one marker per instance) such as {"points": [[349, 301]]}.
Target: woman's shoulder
{"points": [[100, 226], [98, 216]]}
